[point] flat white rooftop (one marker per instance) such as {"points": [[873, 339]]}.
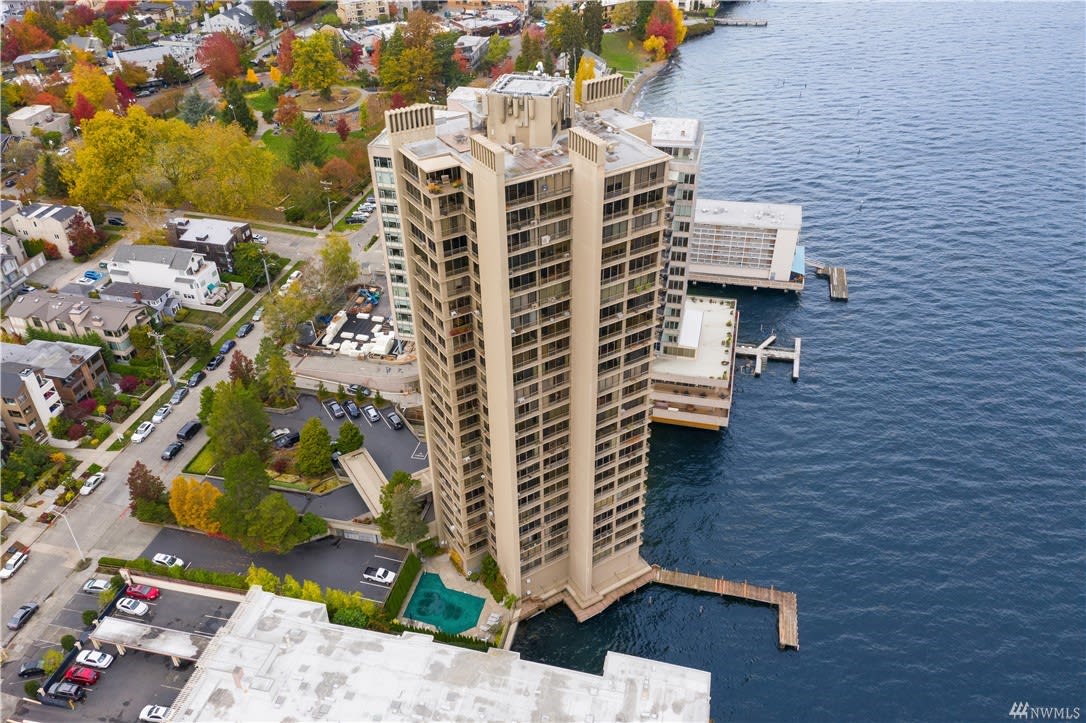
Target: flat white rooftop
{"points": [[280, 659], [748, 215], [675, 131], [704, 327], [216, 231], [525, 84]]}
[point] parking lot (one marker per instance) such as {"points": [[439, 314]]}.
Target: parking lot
{"points": [[333, 562], [133, 680], [391, 449]]}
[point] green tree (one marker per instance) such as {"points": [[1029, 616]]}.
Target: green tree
{"points": [[565, 34], [307, 145], [266, 579], [336, 269], [237, 422], [451, 72], [194, 107], [100, 30], [401, 516], [237, 109], [592, 19], [51, 181], [277, 381], [316, 66], [283, 312], [272, 526], [264, 14], [171, 72], [314, 456], [496, 51], [351, 617], [350, 438], [207, 401], [51, 660], [134, 34], [242, 369], [531, 52]]}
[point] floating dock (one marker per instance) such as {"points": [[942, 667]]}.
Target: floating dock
{"points": [[785, 602], [838, 279], [740, 22], [764, 352]]}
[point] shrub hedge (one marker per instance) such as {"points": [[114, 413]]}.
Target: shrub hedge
{"points": [[396, 597], [461, 640], [205, 577]]}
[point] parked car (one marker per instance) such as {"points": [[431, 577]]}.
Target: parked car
{"points": [[279, 432], [132, 607], [227, 346], [14, 562], [371, 200], [352, 409], [21, 615], [258, 314], [371, 413], [196, 377], [260, 239], [359, 389], [295, 275], [82, 675], [179, 395], [10, 183], [215, 363], [287, 440], [245, 329], [34, 669], [142, 592], [379, 575], [85, 281], [94, 659], [25, 290], [143, 432], [161, 413], [92, 483], [172, 450], [189, 431], [71, 691], [167, 560], [92, 275], [95, 586], [115, 221], [395, 420], [334, 409], [155, 713]]}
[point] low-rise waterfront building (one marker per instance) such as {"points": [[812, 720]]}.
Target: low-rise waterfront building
{"points": [[359, 12], [280, 658], [188, 275], [747, 244], [75, 369]]}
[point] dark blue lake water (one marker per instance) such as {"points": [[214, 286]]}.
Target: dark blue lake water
{"points": [[922, 487]]}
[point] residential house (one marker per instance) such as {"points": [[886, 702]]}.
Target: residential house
{"points": [[23, 121], [119, 32], [30, 401], [48, 222], [15, 266], [148, 57], [75, 369], [42, 63], [88, 44], [8, 209], [215, 238], [74, 315], [188, 275], [156, 297], [238, 19], [473, 47]]}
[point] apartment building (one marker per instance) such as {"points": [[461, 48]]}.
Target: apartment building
{"points": [[190, 278], [73, 315], [75, 369], [48, 222], [29, 401], [215, 238], [747, 244], [533, 241], [360, 12]]}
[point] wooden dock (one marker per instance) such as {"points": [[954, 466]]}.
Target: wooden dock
{"points": [[740, 22], [785, 602], [764, 352], [838, 279]]}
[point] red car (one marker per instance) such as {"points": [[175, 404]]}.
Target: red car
{"points": [[143, 592], [82, 676]]}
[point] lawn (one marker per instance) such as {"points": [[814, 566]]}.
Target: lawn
{"points": [[260, 101], [619, 56], [280, 144], [216, 320], [202, 463]]}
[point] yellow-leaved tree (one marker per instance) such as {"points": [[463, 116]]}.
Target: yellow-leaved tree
{"points": [[275, 74], [586, 70], [192, 503], [250, 77], [92, 83], [656, 45]]}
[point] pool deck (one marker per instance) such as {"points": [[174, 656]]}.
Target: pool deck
{"points": [[453, 580]]}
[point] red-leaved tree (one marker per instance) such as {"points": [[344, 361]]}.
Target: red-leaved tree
{"points": [[125, 96], [286, 52], [220, 57], [46, 98], [355, 54], [82, 110], [83, 240], [78, 16], [343, 130], [661, 23], [506, 66], [20, 38]]}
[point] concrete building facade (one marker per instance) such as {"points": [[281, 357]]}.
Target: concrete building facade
{"points": [[533, 243], [747, 244], [23, 121]]}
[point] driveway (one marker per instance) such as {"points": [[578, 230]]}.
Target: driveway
{"points": [[331, 562], [391, 449]]}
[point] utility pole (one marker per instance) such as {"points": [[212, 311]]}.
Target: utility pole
{"points": [[165, 360], [264, 260]]}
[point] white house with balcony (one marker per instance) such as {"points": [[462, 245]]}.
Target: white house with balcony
{"points": [[190, 277], [30, 401]]}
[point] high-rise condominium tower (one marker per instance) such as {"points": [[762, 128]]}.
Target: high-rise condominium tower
{"points": [[532, 236]]}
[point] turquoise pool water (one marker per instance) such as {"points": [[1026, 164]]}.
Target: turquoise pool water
{"points": [[451, 611]]}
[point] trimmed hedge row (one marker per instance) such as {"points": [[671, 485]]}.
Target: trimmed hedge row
{"points": [[204, 577], [396, 597], [448, 638]]}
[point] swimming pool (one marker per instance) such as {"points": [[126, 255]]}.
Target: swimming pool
{"points": [[451, 611]]}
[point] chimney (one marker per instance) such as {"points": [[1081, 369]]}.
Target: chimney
{"points": [[137, 295]]}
